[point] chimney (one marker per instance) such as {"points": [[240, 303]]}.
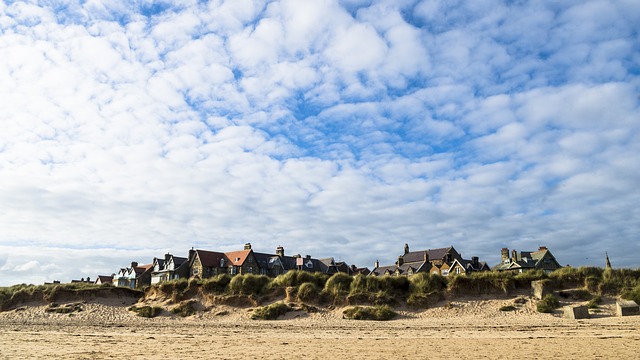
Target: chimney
{"points": [[505, 254], [542, 248], [308, 257], [280, 251], [167, 256], [400, 260], [134, 264], [406, 249], [514, 255], [88, 279], [426, 256], [247, 246], [475, 262], [376, 264], [192, 254]]}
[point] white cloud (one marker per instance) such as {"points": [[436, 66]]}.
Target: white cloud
{"points": [[333, 128]]}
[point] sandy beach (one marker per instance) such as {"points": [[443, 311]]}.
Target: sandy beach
{"points": [[464, 329]]}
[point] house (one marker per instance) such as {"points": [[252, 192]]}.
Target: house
{"points": [[204, 264], [439, 261], [278, 263], [522, 261], [134, 276], [104, 279], [170, 268]]}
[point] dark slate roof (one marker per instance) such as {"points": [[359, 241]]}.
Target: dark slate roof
{"points": [[264, 260], [210, 258], [382, 269], [179, 260], [414, 256]]}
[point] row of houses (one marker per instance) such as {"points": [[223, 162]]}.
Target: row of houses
{"points": [[204, 264]]}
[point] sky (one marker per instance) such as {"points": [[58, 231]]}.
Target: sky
{"points": [[341, 129]]}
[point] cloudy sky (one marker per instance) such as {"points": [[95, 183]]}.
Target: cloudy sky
{"points": [[333, 128]]}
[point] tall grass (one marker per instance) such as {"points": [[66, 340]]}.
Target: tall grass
{"points": [[248, 284]]}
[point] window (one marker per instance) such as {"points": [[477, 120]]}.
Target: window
{"points": [[458, 270], [250, 270], [445, 272]]}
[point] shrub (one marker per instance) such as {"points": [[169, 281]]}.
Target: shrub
{"points": [[298, 277], [570, 277], [185, 308], [524, 279], [378, 313], [65, 309], [593, 303], [338, 285], [270, 312], [147, 311], [479, 283], [217, 284], [507, 308], [308, 292], [547, 304], [633, 294], [425, 284], [248, 284]]}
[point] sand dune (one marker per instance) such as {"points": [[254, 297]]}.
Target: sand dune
{"points": [[462, 329]]}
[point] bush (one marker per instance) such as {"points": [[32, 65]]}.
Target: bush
{"points": [[308, 292], [524, 279], [507, 308], [548, 304], [479, 283], [248, 284], [425, 284], [185, 308], [217, 284], [296, 278], [571, 277], [593, 303], [270, 312], [338, 285], [378, 313], [633, 294], [65, 309], [147, 311]]}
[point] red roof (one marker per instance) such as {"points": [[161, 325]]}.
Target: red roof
{"points": [[210, 258], [237, 258]]}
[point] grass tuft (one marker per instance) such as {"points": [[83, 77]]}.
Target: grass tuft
{"points": [[377, 313]]}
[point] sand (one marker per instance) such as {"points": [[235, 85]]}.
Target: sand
{"points": [[469, 328]]}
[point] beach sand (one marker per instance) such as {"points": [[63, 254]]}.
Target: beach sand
{"points": [[471, 328]]}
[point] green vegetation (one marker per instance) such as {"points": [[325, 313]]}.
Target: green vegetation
{"points": [[548, 304], [338, 285], [507, 308], [248, 284], [308, 292], [594, 302], [378, 313], [488, 282], [217, 284], [13, 296], [64, 309], [147, 311], [632, 294], [417, 291], [185, 308], [271, 312]]}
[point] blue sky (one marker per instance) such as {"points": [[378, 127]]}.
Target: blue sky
{"points": [[333, 128]]}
